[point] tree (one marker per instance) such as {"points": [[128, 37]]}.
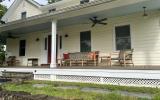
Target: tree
{"points": [[3, 10]]}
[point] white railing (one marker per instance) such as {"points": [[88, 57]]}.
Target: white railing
{"points": [[147, 78]]}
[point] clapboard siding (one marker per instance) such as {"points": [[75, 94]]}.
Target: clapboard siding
{"points": [[24, 6], [145, 38]]}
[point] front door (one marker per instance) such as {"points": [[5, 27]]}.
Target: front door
{"points": [[50, 47], [85, 41]]}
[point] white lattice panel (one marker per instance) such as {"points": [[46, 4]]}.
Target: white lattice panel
{"points": [[85, 79], [132, 82], [42, 77], [101, 80]]}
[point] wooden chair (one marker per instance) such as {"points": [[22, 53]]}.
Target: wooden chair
{"points": [[12, 61], [123, 57]]}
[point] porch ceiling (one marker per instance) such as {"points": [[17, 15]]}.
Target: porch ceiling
{"points": [[119, 11]]}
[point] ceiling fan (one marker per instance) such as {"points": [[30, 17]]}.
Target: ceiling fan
{"points": [[95, 21], [11, 36]]}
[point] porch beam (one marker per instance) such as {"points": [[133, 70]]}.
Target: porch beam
{"points": [[53, 44]]}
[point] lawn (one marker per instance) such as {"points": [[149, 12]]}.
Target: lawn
{"points": [[52, 89]]}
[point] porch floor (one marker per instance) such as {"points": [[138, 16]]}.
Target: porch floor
{"points": [[93, 67]]}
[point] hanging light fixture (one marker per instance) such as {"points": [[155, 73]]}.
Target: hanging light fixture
{"points": [[144, 12]]}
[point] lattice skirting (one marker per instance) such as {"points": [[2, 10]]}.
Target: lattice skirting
{"points": [[100, 80]]}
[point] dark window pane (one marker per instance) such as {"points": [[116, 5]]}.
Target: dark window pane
{"points": [[22, 47], [83, 1], [123, 39], [123, 31], [45, 45], [60, 42], [23, 15], [85, 40]]}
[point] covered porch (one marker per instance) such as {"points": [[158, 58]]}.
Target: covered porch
{"points": [[47, 38]]}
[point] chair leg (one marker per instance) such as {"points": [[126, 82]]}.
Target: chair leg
{"points": [[95, 63], [132, 63], [124, 64], [82, 63], [70, 63]]}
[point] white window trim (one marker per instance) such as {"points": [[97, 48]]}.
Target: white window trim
{"points": [[114, 34]]}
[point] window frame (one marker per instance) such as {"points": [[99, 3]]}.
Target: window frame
{"points": [[114, 48]]}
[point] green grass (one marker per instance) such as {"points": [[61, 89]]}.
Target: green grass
{"points": [[109, 87], [52, 90]]}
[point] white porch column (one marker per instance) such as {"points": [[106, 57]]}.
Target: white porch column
{"points": [[53, 46]]}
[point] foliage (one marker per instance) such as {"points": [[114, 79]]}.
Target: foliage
{"points": [[3, 10], [2, 54]]}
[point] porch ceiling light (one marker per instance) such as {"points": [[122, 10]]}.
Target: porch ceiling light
{"points": [[37, 39], [66, 35], [144, 12]]}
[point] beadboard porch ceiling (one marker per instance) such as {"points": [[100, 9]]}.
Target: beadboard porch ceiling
{"points": [[118, 11]]}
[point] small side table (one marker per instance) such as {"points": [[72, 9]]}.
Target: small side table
{"points": [[107, 58], [32, 61]]}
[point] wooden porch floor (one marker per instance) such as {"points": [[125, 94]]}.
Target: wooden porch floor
{"points": [[94, 67]]}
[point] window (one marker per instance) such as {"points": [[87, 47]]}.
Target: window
{"points": [[45, 44], [23, 15], [84, 1], [53, 1], [123, 38], [60, 42], [22, 47], [85, 41], [52, 10]]}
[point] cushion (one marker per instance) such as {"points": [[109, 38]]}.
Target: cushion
{"points": [[66, 56], [91, 55]]}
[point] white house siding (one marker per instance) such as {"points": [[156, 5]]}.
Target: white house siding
{"points": [[145, 35], [60, 5], [34, 49], [25, 6]]}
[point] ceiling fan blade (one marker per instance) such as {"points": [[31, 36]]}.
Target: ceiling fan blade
{"points": [[11, 36], [103, 23], [104, 19], [92, 19], [93, 25]]}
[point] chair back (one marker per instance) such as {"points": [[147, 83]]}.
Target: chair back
{"points": [[126, 54], [11, 58]]}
